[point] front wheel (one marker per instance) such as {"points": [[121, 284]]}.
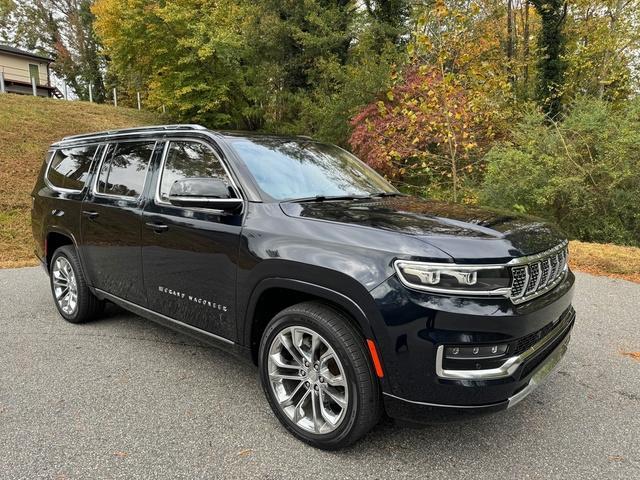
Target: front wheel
{"points": [[317, 376]]}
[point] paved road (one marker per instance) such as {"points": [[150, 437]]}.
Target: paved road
{"points": [[124, 398]]}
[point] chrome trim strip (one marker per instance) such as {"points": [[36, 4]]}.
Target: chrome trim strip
{"points": [[510, 365], [427, 404], [538, 256], [164, 317], [205, 200], [542, 373]]}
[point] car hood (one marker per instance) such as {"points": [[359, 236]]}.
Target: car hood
{"points": [[467, 234]]}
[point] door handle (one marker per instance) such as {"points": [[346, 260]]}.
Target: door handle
{"points": [[157, 227], [90, 214]]}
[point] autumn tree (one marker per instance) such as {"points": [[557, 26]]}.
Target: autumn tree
{"points": [[434, 125]]}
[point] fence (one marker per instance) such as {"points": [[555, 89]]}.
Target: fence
{"points": [[24, 81]]}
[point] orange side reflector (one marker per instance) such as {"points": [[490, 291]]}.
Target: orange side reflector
{"points": [[376, 359]]}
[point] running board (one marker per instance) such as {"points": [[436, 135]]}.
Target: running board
{"points": [[176, 325]]}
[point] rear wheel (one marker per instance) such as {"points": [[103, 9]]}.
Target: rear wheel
{"points": [[317, 376], [71, 294]]}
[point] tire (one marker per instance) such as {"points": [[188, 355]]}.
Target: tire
{"points": [[343, 390], [64, 271]]}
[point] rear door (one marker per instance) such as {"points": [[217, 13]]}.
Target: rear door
{"points": [[190, 255], [111, 220]]}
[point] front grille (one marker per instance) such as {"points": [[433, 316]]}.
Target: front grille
{"points": [[539, 274]]}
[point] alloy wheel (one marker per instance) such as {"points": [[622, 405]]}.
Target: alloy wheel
{"points": [[308, 380], [65, 287]]}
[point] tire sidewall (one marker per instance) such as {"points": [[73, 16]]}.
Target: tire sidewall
{"points": [[327, 440]]}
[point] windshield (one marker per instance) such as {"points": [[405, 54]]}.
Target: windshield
{"points": [[288, 169]]}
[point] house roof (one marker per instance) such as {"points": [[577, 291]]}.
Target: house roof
{"points": [[23, 53]]}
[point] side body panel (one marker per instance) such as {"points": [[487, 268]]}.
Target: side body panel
{"points": [[189, 259], [110, 242]]}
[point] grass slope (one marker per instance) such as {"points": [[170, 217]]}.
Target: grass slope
{"points": [[28, 125]]}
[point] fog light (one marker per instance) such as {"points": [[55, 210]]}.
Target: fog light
{"points": [[475, 352]]}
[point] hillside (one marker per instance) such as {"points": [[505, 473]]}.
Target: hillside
{"points": [[28, 125]]}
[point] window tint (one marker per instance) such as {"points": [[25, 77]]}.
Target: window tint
{"points": [[125, 168], [69, 167], [189, 160]]}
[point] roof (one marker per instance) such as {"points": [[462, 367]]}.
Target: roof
{"points": [[23, 53]]}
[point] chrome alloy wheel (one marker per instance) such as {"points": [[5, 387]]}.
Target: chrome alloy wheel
{"points": [[65, 287], [308, 380]]}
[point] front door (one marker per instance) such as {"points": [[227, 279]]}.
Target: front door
{"points": [[111, 221], [189, 255]]}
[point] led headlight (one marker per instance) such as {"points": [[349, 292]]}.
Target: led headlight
{"points": [[455, 279]]}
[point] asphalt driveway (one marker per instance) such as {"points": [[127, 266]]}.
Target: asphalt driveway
{"points": [[124, 398]]}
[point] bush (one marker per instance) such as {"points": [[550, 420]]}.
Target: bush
{"points": [[583, 173]]}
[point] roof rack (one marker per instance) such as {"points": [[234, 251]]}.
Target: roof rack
{"points": [[135, 130]]}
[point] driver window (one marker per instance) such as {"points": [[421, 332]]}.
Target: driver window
{"points": [[188, 160]]}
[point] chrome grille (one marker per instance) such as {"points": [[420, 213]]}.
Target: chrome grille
{"points": [[538, 274]]}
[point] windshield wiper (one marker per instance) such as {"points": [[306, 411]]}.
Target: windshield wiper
{"points": [[387, 194], [323, 198]]}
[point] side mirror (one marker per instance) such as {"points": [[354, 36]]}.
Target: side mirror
{"points": [[211, 193]]}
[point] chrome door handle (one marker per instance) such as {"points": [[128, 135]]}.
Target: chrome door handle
{"points": [[157, 227], [90, 214]]}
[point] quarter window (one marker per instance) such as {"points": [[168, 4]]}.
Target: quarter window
{"points": [[189, 160], [69, 167], [125, 168]]}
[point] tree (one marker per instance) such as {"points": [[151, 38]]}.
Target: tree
{"points": [[551, 65], [435, 124]]}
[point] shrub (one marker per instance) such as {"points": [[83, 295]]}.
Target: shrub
{"points": [[583, 173]]}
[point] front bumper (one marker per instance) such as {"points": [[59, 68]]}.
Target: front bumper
{"points": [[551, 349], [416, 326]]}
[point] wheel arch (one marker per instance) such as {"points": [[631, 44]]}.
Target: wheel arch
{"points": [[55, 239], [273, 295]]}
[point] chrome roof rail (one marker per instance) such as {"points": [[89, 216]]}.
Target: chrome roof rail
{"points": [[123, 131]]}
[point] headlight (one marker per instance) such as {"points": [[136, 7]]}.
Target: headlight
{"points": [[455, 279]]}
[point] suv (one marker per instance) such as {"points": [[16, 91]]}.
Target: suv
{"points": [[352, 298]]}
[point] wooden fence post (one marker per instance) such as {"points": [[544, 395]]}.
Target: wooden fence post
{"points": [[138, 95], [90, 94], [115, 97], [33, 86], [2, 89]]}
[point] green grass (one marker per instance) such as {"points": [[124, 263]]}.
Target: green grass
{"points": [[28, 125]]}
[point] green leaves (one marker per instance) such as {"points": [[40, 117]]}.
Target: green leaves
{"points": [[583, 173]]}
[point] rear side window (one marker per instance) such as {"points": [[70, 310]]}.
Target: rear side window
{"points": [[69, 167], [186, 160], [124, 169]]}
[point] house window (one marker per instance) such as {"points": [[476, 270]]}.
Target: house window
{"points": [[34, 73]]}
